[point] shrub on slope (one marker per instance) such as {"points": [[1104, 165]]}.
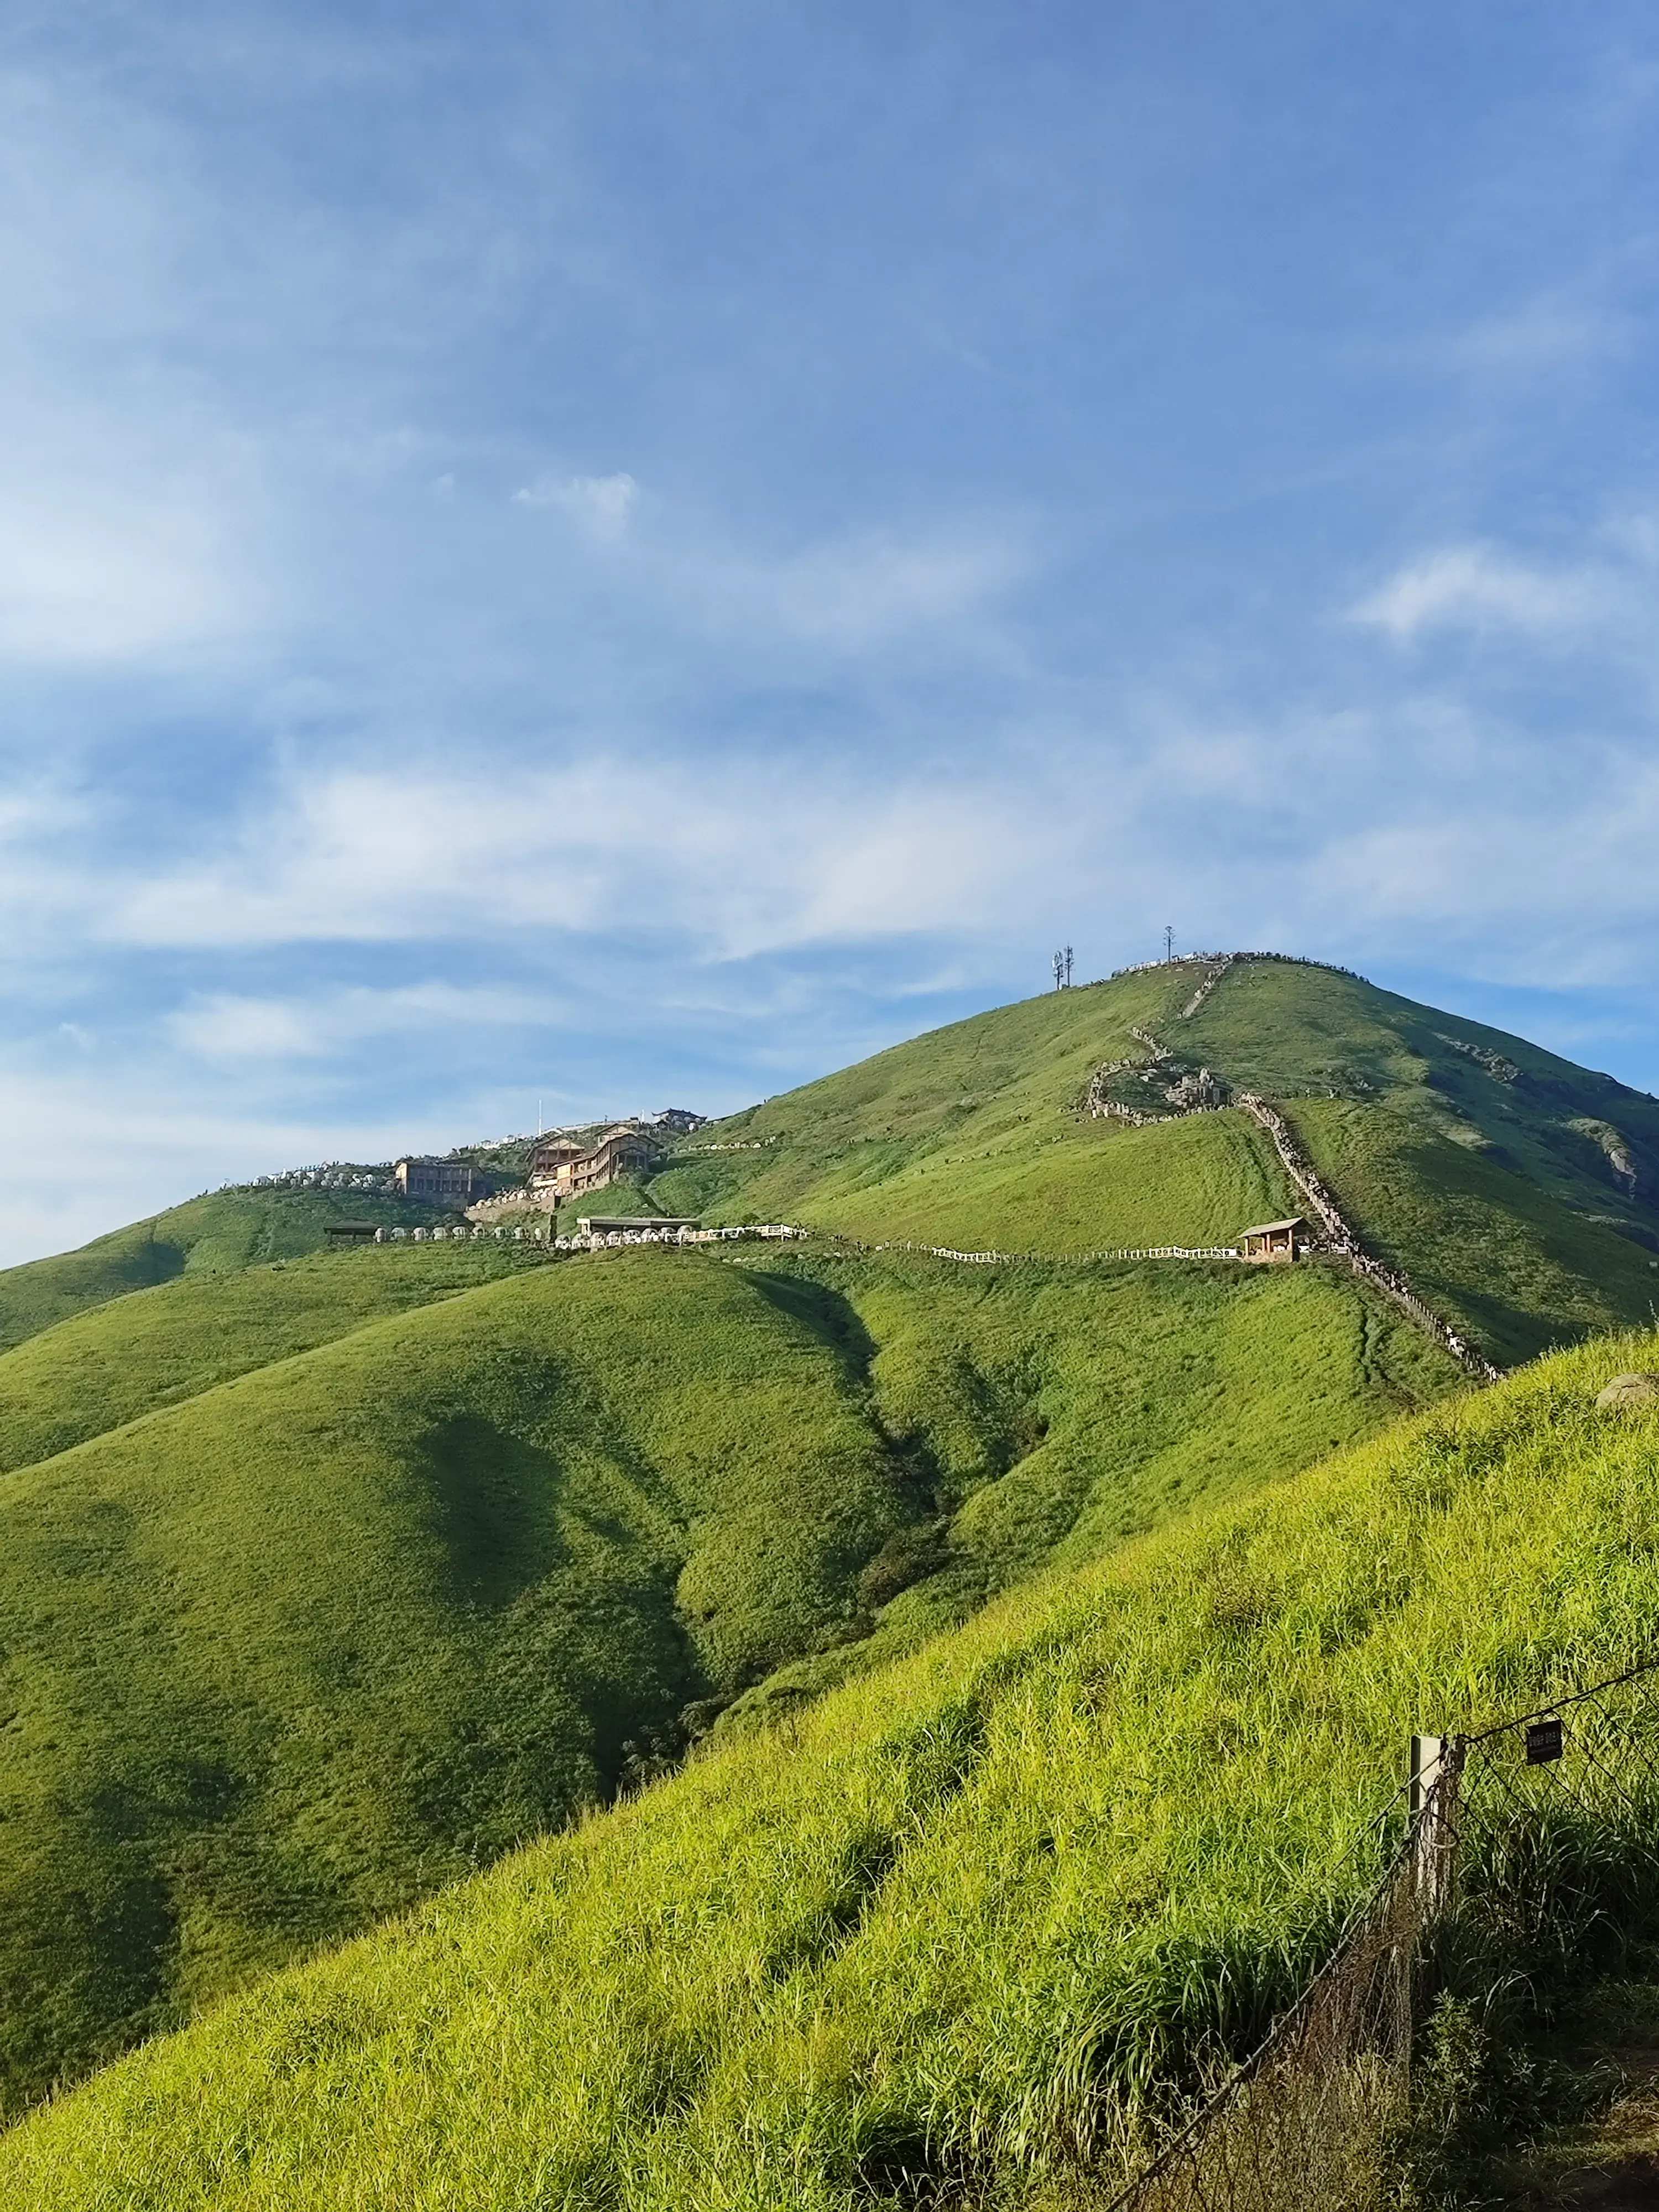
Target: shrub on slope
{"points": [[130, 1355], [960, 1913]]}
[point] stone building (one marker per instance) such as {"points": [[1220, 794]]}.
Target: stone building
{"points": [[439, 1182]]}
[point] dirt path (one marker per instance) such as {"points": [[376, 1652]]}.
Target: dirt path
{"points": [[1610, 2165]]}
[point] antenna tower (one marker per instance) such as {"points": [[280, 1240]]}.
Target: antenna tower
{"points": [[1057, 963], [1068, 967], [1169, 940]]}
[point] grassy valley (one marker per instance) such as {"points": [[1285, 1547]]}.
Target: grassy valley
{"points": [[959, 1917], [281, 1656]]}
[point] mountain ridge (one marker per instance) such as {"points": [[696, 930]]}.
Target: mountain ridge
{"points": [[479, 1535]]}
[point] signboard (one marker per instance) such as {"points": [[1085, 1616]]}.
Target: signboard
{"points": [[1543, 1742]]}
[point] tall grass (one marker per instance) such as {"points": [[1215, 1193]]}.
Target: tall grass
{"points": [[965, 1914]]}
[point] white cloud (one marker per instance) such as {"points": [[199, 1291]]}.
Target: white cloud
{"points": [[603, 505], [227, 1027], [1474, 587], [739, 858], [129, 496]]}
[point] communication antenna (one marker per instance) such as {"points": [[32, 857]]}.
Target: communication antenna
{"points": [[539, 1103], [1169, 940], [1057, 963], [1068, 967]]}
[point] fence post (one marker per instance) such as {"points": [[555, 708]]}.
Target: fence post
{"points": [[1436, 1771]]}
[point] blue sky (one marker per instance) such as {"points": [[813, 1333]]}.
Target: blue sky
{"points": [[624, 555]]}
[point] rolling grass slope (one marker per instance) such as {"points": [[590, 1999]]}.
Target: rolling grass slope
{"points": [[281, 1657], [1047, 1410], [213, 1234], [1489, 1168], [1486, 1246], [158, 1347], [956, 1916], [278, 1659]]}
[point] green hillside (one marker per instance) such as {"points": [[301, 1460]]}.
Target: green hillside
{"points": [[281, 1657], [158, 1347], [1477, 1161], [214, 1234], [326, 1578], [957, 1915]]}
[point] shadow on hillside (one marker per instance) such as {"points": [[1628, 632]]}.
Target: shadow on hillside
{"points": [[830, 1316], [492, 1496]]}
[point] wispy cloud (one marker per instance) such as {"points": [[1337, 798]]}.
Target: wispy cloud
{"points": [[602, 505], [130, 497], [1481, 588], [228, 1027], [736, 857]]}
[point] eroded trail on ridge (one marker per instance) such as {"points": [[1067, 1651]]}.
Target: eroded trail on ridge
{"points": [[1201, 1092]]}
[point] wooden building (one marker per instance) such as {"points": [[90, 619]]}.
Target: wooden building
{"points": [[561, 1170], [1273, 1240], [550, 1165]]}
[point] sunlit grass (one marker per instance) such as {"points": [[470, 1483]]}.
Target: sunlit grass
{"points": [[976, 1903], [284, 1656]]}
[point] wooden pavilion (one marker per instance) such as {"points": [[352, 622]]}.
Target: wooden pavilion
{"points": [[1273, 1240]]}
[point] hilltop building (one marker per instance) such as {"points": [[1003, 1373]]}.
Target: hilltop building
{"points": [[561, 1170], [554, 1156], [678, 1122], [440, 1182]]}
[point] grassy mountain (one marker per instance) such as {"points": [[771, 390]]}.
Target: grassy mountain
{"points": [[962, 1913], [326, 1578], [280, 1658], [1522, 1191]]}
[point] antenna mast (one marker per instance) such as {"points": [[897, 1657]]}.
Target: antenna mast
{"points": [[1169, 940], [1068, 967]]}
